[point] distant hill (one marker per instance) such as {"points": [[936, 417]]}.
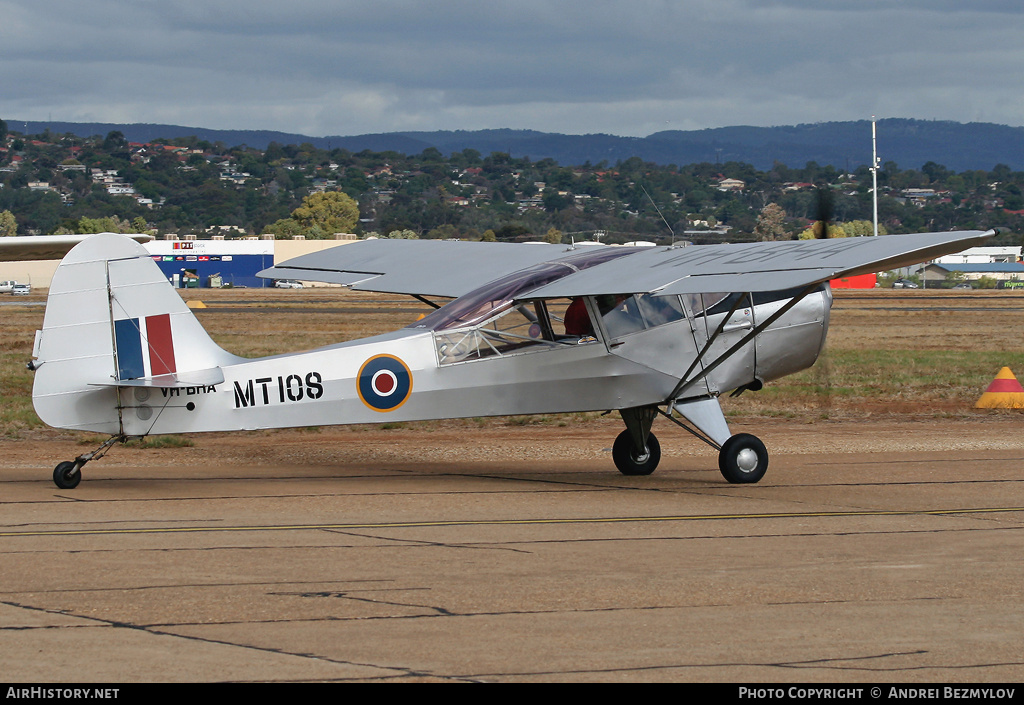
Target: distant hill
{"points": [[909, 143]]}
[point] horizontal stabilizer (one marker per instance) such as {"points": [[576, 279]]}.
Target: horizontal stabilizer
{"points": [[177, 380]]}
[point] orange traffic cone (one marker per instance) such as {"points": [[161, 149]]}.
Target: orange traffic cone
{"points": [[1005, 392]]}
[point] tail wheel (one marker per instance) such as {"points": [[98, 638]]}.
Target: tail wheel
{"points": [[67, 475], [629, 462], [743, 458]]}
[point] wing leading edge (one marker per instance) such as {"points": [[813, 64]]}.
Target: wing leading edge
{"points": [[759, 266], [423, 267], [451, 269]]}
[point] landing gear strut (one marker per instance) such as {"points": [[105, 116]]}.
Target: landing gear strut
{"points": [[68, 474], [742, 458], [631, 462], [636, 451]]}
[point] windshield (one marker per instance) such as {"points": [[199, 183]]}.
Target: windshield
{"points": [[498, 296], [490, 300]]}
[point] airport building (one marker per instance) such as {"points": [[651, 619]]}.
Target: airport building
{"points": [[196, 263], [983, 255], [1003, 264], [1006, 274], [213, 263]]}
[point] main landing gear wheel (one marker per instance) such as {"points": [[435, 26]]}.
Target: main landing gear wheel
{"points": [[629, 462], [67, 475], [743, 458]]}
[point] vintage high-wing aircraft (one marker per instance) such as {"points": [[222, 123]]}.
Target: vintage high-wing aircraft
{"points": [[531, 329]]}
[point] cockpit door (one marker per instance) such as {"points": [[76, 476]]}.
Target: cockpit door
{"points": [[709, 312], [653, 331]]}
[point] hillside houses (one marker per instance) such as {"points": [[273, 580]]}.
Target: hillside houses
{"points": [[189, 185]]}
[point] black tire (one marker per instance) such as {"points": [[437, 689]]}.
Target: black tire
{"points": [[743, 459], [626, 459], [67, 475]]}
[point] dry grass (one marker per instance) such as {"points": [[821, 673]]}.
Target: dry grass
{"points": [[18, 324], [917, 352], [254, 323], [907, 352]]}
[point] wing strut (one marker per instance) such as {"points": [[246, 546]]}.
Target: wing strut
{"points": [[425, 300], [710, 341], [685, 382]]}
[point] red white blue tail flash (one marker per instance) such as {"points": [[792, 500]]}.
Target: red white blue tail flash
{"points": [[145, 346]]}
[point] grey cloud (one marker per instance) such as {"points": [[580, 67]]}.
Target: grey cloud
{"points": [[604, 65]]}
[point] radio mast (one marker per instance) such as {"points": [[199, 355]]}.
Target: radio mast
{"points": [[874, 178]]}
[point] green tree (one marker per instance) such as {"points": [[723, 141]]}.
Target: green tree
{"points": [[8, 224], [330, 212], [512, 232], [554, 236], [108, 224], [115, 142], [403, 235], [442, 232], [814, 232], [861, 228], [284, 229], [771, 223], [554, 202]]}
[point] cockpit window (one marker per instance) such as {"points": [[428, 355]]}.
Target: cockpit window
{"points": [[712, 304], [721, 303], [495, 320], [706, 304], [620, 314], [499, 295], [521, 328], [492, 299], [625, 314]]}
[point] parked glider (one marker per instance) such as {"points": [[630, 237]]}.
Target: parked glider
{"points": [[531, 329]]}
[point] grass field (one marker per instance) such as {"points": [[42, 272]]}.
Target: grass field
{"points": [[919, 353]]}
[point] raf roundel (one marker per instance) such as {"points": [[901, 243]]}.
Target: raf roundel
{"points": [[384, 383]]}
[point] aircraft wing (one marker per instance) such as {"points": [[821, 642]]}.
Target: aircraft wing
{"points": [[40, 247], [759, 266], [424, 267], [451, 269]]}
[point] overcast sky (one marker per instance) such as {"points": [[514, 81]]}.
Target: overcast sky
{"points": [[624, 67]]}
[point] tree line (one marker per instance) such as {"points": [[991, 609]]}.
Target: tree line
{"points": [[189, 185]]}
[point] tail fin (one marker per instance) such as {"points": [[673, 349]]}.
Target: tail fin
{"points": [[113, 322]]}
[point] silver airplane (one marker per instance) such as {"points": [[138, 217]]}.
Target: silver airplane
{"points": [[530, 329]]}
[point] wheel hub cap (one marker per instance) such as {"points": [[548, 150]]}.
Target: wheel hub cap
{"points": [[746, 460]]}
